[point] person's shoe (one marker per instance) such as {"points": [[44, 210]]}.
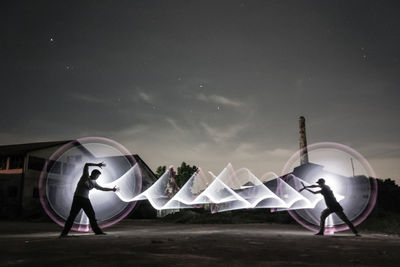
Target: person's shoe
{"points": [[101, 233], [319, 233], [62, 235], [357, 234]]}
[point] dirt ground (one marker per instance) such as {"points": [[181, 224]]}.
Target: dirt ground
{"points": [[149, 243]]}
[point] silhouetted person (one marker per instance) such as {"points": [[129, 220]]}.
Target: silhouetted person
{"points": [[81, 199], [332, 206]]}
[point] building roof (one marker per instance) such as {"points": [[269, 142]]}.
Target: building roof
{"points": [[21, 149], [24, 148], [145, 166]]}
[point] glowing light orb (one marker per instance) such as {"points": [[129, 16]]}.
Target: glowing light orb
{"points": [[346, 172], [63, 170]]}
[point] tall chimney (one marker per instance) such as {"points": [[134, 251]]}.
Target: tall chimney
{"points": [[303, 141]]}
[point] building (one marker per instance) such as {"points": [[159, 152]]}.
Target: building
{"points": [[20, 169]]}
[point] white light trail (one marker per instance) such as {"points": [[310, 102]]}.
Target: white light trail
{"points": [[230, 190]]}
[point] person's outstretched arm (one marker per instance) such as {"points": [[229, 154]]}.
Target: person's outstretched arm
{"points": [[309, 186], [98, 187], [314, 192], [87, 165]]}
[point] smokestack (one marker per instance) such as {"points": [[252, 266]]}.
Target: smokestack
{"points": [[303, 141]]}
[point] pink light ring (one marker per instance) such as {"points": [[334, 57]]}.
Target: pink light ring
{"points": [[56, 155], [302, 222], [365, 163]]}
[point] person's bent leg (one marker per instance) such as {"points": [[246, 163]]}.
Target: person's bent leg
{"points": [[324, 214], [346, 220], [75, 208], [88, 208]]}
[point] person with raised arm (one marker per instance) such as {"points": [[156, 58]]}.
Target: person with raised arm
{"points": [[81, 198], [332, 206]]}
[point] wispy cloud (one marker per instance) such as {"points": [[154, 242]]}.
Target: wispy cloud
{"points": [[173, 123], [218, 99], [256, 150], [224, 134], [132, 131]]}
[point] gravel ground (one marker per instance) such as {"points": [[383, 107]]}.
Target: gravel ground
{"points": [[150, 243]]}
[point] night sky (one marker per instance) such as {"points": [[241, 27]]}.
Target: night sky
{"points": [[206, 82]]}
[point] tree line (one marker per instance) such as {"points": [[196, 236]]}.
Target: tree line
{"points": [[183, 173]]}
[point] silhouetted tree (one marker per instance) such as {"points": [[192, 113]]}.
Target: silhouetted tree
{"points": [[388, 195], [160, 171], [185, 171]]}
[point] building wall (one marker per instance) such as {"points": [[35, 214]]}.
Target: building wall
{"points": [[35, 163], [19, 193], [10, 195], [11, 178]]}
